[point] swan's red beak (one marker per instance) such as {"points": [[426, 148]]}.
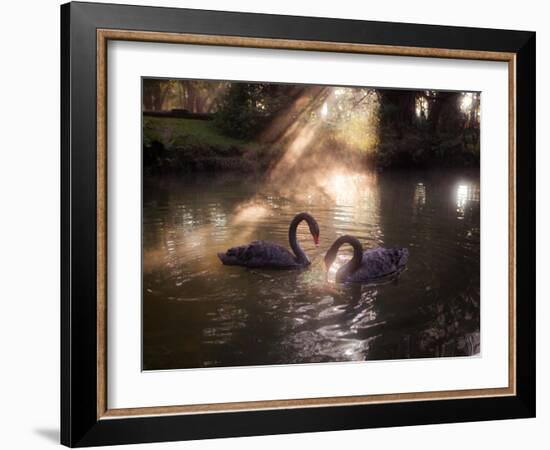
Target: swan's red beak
{"points": [[316, 239]]}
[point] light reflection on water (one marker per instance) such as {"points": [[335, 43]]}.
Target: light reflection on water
{"points": [[199, 313], [465, 195]]}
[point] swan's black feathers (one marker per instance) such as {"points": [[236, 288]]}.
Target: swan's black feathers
{"points": [[259, 254], [267, 254], [378, 263]]}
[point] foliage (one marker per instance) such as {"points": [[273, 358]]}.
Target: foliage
{"points": [[174, 144], [253, 124], [197, 96], [427, 128], [247, 108], [175, 132]]}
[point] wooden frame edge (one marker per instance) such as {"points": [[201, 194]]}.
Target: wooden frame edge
{"points": [[289, 44], [101, 190], [303, 403], [104, 35], [512, 200]]}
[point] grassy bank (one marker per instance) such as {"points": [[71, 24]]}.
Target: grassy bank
{"points": [[188, 145], [175, 144]]}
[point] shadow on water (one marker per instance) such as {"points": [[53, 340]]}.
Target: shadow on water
{"points": [[199, 313]]}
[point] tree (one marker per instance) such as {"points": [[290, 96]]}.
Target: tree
{"points": [[198, 96], [154, 93], [246, 109], [397, 109], [442, 102]]}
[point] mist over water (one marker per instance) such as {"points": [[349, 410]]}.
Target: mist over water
{"points": [[199, 313]]}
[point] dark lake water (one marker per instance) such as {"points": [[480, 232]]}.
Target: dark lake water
{"points": [[199, 313]]}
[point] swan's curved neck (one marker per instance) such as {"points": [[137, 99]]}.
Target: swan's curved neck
{"points": [[355, 262], [301, 257]]}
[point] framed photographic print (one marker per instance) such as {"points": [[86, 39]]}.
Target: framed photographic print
{"points": [[276, 224]]}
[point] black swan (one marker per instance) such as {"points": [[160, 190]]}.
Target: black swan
{"points": [[371, 265], [270, 255]]}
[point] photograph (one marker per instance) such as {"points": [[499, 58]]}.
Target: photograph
{"points": [[296, 224]]}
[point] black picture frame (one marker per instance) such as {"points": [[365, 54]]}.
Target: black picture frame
{"points": [[80, 425]]}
